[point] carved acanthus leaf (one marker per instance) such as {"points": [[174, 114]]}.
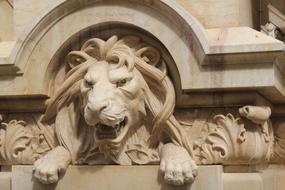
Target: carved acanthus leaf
{"points": [[15, 138], [234, 140], [224, 137], [21, 143]]}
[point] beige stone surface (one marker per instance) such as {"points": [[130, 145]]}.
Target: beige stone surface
{"points": [[6, 21], [6, 48], [5, 180], [217, 13], [262, 177], [242, 181], [241, 40], [115, 177], [273, 177], [147, 178], [256, 177], [249, 14], [25, 12], [211, 13]]}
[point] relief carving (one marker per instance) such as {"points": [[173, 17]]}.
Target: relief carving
{"points": [[116, 106], [235, 140], [22, 143]]}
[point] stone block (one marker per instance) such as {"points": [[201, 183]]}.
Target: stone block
{"points": [[5, 180]]}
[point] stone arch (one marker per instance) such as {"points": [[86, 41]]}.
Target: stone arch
{"points": [[166, 21]]}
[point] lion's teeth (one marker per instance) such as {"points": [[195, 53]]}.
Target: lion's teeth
{"points": [[110, 131]]}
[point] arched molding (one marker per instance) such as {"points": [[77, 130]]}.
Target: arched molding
{"points": [[176, 29]]}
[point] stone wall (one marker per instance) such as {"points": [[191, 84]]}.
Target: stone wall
{"points": [[129, 82]]}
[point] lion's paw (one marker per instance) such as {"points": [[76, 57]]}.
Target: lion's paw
{"points": [[47, 168], [177, 166], [46, 171], [178, 173]]}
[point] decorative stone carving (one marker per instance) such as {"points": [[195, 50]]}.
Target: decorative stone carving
{"points": [[116, 106], [22, 143], [231, 140]]}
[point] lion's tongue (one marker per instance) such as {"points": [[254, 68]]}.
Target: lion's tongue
{"points": [[105, 128]]}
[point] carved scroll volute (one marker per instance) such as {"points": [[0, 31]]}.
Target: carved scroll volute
{"points": [[233, 140]]}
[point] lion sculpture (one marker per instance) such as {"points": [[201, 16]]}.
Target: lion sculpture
{"points": [[116, 107]]}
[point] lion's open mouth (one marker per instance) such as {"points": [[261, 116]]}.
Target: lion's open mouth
{"points": [[104, 131]]}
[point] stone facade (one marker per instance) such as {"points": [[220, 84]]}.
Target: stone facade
{"points": [[196, 87]]}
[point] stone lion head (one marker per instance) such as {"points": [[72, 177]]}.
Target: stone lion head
{"points": [[116, 100], [113, 100]]}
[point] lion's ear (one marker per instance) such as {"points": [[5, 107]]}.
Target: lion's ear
{"points": [[152, 57], [76, 58]]}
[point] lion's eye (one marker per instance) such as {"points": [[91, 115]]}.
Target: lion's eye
{"points": [[88, 83], [121, 83]]}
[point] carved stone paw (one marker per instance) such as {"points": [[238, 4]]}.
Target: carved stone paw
{"points": [[177, 166], [47, 168]]}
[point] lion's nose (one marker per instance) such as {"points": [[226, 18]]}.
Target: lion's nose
{"points": [[99, 107]]}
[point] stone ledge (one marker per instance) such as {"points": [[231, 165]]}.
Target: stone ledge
{"points": [[115, 177], [215, 177]]}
